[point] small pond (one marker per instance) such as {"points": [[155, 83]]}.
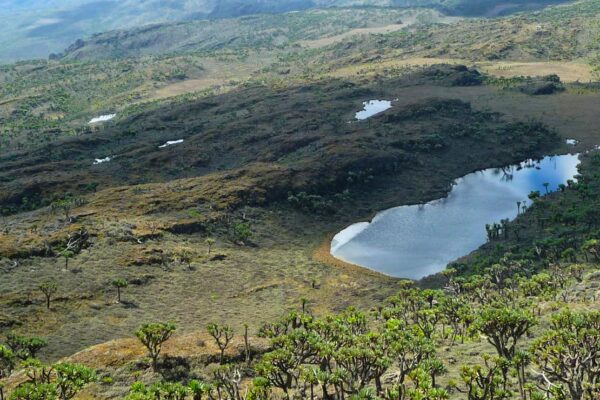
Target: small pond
{"points": [[373, 107], [419, 240]]}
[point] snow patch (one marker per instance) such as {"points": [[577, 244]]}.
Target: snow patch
{"points": [[102, 118], [102, 160], [170, 143]]}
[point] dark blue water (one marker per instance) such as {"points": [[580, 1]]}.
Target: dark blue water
{"points": [[419, 240]]}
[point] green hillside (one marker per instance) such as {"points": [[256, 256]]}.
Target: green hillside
{"points": [[169, 194], [260, 31], [562, 33], [35, 29]]}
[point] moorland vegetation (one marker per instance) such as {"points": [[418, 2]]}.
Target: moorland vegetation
{"points": [[201, 269]]}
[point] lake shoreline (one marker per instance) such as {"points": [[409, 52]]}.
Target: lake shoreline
{"points": [[517, 168]]}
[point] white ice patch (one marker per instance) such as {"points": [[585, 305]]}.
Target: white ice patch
{"points": [[102, 118], [571, 142], [373, 107], [102, 160], [170, 143]]}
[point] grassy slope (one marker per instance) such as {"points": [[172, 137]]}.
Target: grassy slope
{"points": [[42, 101], [251, 282], [257, 31], [245, 127], [562, 33], [36, 29], [212, 204], [568, 32]]}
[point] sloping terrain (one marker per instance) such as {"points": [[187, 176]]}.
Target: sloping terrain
{"points": [[249, 126], [213, 194], [561, 33], [47, 100], [566, 32], [41, 27], [257, 31], [267, 160], [35, 29]]}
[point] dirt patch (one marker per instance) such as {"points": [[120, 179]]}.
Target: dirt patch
{"points": [[409, 18], [568, 71], [323, 255], [313, 44], [122, 351], [219, 75], [188, 86]]}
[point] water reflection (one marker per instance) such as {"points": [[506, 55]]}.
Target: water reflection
{"points": [[419, 240], [373, 107]]}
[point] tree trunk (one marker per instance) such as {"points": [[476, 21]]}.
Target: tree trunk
{"points": [[378, 385], [521, 376], [285, 391], [247, 347], [326, 394], [576, 390]]}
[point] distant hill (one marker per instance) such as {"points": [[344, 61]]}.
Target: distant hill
{"points": [[267, 31], [36, 28], [489, 8], [562, 33]]}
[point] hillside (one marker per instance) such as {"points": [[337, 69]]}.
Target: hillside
{"points": [[37, 102], [448, 335], [260, 31], [237, 168], [560, 34], [563, 33], [46, 100], [238, 165], [36, 29], [169, 194]]}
